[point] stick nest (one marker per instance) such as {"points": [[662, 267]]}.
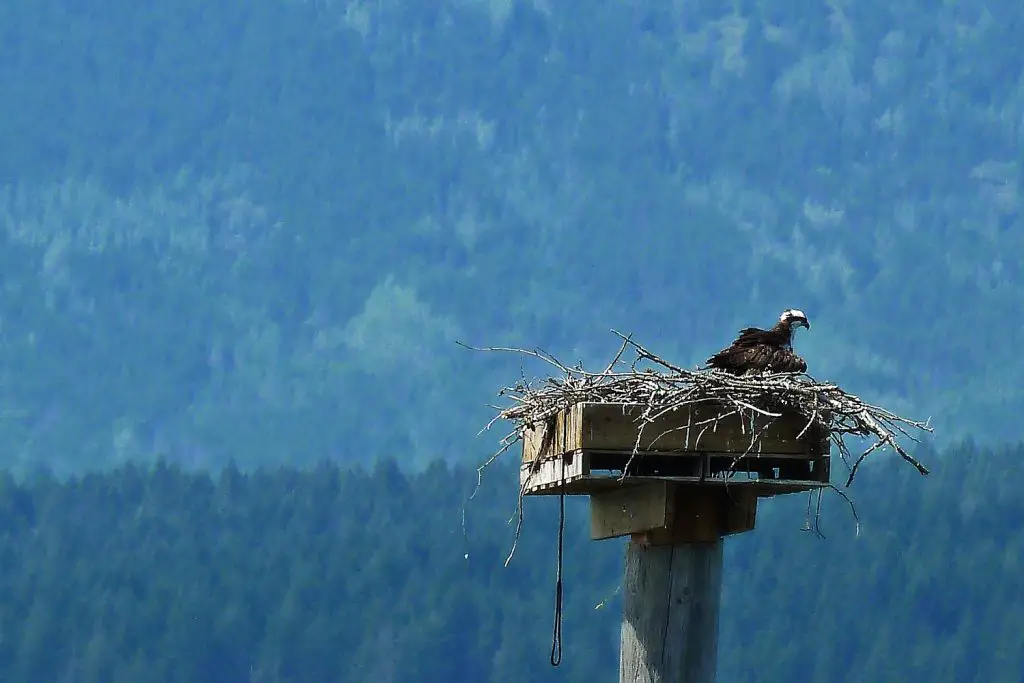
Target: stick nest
{"points": [[662, 387]]}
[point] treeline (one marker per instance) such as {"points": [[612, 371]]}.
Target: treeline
{"points": [[158, 574], [334, 574]]}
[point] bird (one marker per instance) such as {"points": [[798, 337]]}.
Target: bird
{"points": [[756, 350]]}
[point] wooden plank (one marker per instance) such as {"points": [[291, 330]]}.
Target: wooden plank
{"points": [[725, 455], [544, 476], [534, 441], [699, 514], [589, 484], [740, 511], [614, 427], [629, 510], [547, 474], [671, 599], [561, 433], [609, 426], [665, 513]]}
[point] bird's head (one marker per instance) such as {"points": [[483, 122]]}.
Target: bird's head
{"points": [[794, 317]]}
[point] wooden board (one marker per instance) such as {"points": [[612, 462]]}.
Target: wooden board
{"points": [[701, 514], [548, 475], [667, 513], [767, 475], [615, 427], [629, 510]]}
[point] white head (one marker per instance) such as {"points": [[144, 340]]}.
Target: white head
{"points": [[794, 317]]}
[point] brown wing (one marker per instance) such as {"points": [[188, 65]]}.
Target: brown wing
{"points": [[758, 357], [784, 360], [749, 336], [726, 359], [741, 358]]}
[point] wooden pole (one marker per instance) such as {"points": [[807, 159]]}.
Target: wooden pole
{"points": [[671, 597]]}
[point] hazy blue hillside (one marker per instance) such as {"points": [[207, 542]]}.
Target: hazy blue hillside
{"points": [[256, 228], [328, 574]]}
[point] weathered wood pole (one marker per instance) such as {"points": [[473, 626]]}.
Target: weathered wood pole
{"points": [[671, 597], [672, 587]]}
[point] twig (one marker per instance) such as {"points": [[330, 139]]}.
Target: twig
{"points": [[853, 508]]}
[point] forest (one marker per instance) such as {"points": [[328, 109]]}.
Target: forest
{"points": [[257, 228], [335, 573]]}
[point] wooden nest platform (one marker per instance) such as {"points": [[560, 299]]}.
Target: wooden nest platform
{"points": [[680, 436], [595, 447]]}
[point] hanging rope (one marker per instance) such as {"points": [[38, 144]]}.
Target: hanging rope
{"points": [[556, 638]]}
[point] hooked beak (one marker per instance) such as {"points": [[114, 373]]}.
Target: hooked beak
{"points": [[805, 324]]}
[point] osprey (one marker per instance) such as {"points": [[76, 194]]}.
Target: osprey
{"points": [[757, 350]]}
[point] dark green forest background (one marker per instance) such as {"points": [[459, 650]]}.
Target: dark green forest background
{"points": [[333, 574], [247, 234]]}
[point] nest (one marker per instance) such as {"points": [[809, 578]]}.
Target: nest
{"points": [[661, 387]]}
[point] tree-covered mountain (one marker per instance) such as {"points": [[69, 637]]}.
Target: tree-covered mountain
{"points": [[330, 574], [255, 229]]}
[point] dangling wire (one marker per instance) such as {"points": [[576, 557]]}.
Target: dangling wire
{"points": [[556, 638]]}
